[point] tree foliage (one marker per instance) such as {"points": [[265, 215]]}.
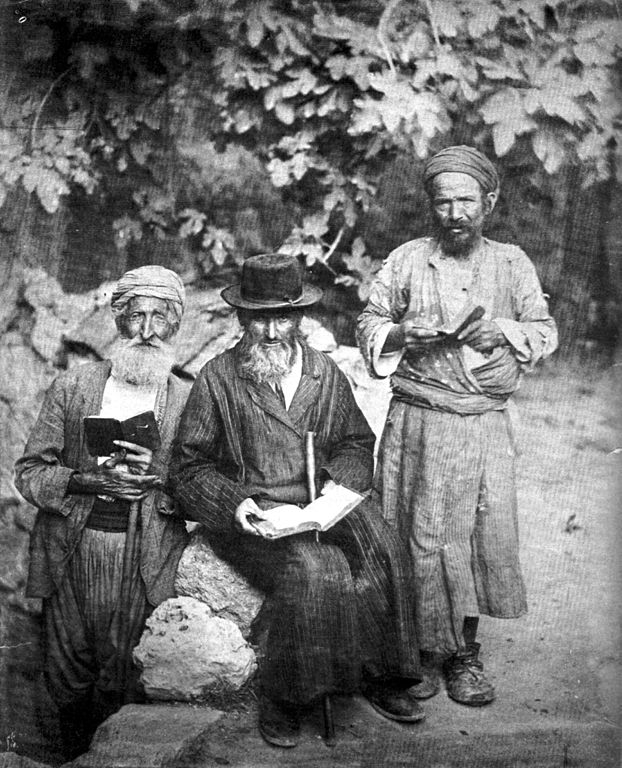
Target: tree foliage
{"points": [[318, 95]]}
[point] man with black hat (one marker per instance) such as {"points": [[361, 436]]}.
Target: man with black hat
{"points": [[336, 613], [445, 475]]}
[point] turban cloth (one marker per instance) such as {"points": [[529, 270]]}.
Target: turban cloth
{"points": [[462, 159], [152, 281]]}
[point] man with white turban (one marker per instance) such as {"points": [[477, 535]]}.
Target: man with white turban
{"points": [[445, 476], [78, 544]]}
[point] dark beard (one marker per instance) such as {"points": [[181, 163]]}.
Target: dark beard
{"points": [[458, 246], [267, 364], [141, 364]]}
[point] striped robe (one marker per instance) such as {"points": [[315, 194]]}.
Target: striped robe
{"points": [[445, 477], [337, 607]]}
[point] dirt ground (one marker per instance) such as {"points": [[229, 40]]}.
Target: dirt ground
{"points": [[556, 670]]}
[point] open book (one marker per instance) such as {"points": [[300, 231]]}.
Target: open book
{"points": [[141, 429], [319, 515], [450, 331]]}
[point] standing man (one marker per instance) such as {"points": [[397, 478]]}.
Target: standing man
{"points": [[80, 539], [445, 477], [337, 610]]}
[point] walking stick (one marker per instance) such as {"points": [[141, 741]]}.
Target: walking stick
{"points": [[124, 661], [329, 724]]}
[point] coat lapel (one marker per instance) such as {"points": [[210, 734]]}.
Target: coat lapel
{"points": [[265, 398], [91, 393]]}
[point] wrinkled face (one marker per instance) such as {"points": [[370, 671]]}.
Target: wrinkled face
{"points": [[270, 329], [147, 321], [459, 209]]}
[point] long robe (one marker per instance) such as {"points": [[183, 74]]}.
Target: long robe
{"points": [[336, 607], [446, 477], [82, 636]]}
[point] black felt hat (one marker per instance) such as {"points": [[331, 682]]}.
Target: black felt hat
{"points": [[271, 281]]}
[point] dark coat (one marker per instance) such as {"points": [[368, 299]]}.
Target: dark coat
{"points": [[237, 440], [56, 448], [335, 606]]}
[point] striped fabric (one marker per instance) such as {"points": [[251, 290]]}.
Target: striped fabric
{"points": [[81, 623], [446, 482], [336, 608]]}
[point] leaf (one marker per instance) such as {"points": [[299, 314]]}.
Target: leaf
{"points": [[417, 45], [279, 172], [548, 150], [254, 27], [366, 117], [194, 223], [315, 225], [50, 186], [448, 19], [482, 18], [554, 102], [358, 248], [506, 112], [501, 104], [285, 112], [140, 151], [498, 70], [589, 54], [313, 252], [299, 165]]}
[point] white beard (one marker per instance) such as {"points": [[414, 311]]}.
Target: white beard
{"points": [[141, 364], [267, 364]]}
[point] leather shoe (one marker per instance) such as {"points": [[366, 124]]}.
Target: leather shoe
{"points": [[466, 681], [279, 726], [429, 686], [394, 704]]}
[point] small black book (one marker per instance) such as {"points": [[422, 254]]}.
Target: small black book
{"points": [[141, 429]]}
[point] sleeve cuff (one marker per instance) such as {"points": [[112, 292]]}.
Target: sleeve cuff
{"points": [[383, 364], [516, 337]]}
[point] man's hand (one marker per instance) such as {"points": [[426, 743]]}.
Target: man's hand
{"points": [[113, 482], [416, 338], [483, 336], [138, 457], [246, 509]]}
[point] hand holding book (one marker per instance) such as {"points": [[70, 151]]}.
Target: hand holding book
{"points": [[288, 519]]}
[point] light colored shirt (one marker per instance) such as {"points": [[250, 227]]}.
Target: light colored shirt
{"points": [[417, 278]]}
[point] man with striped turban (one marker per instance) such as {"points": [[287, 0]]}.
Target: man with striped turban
{"points": [[445, 476], [81, 563]]}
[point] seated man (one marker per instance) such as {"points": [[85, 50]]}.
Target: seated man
{"points": [[97, 588], [337, 612]]}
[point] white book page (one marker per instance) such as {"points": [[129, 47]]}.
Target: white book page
{"points": [[322, 511]]}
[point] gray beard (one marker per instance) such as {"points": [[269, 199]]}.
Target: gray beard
{"points": [[267, 364], [141, 365]]}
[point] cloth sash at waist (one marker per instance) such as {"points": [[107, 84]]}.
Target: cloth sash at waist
{"points": [[110, 516], [439, 399]]}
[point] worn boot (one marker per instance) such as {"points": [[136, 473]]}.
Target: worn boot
{"points": [[278, 724], [430, 683], [466, 681]]}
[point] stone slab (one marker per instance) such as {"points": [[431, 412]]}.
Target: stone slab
{"points": [[147, 736], [366, 740]]}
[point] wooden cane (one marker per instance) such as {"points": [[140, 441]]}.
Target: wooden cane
{"points": [[329, 724], [124, 661]]}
